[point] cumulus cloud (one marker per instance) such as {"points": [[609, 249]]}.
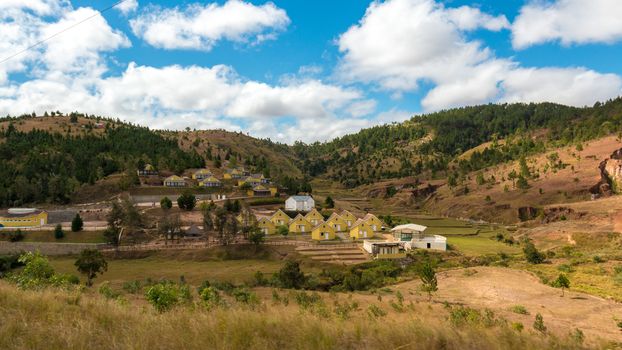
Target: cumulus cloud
{"points": [[568, 21], [200, 27], [399, 44], [127, 7]]}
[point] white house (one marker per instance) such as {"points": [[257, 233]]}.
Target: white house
{"points": [[435, 242], [406, 232], [299, 203]]}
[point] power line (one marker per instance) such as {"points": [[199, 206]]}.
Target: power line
{"points": [[62, 31]]}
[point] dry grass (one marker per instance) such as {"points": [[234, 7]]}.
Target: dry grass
{"points": [[62, 320]]}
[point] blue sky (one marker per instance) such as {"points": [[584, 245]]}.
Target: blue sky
{"points": [[304, 70]]}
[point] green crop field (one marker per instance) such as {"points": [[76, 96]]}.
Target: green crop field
{"points": [[474, 246]]}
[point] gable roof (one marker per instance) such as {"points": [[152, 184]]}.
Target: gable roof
{"points": [[409, 227], [202, 171], [334, 216], [300, 217], [358, 222], [322, 223], [174, 178], [300, 198], [281, 212]]}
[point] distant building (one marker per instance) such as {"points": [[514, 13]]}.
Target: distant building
{"points": [[314, 217], [279, 218], [383, 250], [266, 226], [253, 181], [300, 225], [147, 170], [361, 230], [202, 174], [23, 217], [373, 220], [348, 217], [299, 203], [193, 231], [323, 232], [337, 222], [259, 191], [405, 233], [174, 181], [210, 182], [414, 237]]}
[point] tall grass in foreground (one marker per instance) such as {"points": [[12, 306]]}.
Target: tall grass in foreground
{"points": [[53, 319]]}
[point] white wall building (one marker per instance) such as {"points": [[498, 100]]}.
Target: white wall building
{"points": [[299, 203], [435, 242]]}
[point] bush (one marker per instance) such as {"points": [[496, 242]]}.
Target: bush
{"points": [[520, 309], [107, 291], [77, 224], [375, 311], [58, 232], [16, 236], [163, 296], [210, 297], [538, 324], [290, 276], [166, 203], [532, 254], [132, 287], [244, 296], [187, 201]]}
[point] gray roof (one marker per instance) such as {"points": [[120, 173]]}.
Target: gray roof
{"points": [[301, 198]]}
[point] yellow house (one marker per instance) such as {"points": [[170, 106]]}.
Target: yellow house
{"points": [[314, 217], [361, 230], [337, 222], [375, 223], [300, 225], [233, 174], [266, 226], [348, 217], [23, 217], [323, 232], [259, 191], [273, 190], [210, 181], [202, 174], [253, 181], [174, 181], [280, 218]]}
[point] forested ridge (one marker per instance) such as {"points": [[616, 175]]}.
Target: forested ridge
{"points": [[427, 146], [42, 166]]}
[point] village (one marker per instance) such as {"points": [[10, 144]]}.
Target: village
{"points": [[297, 217]]}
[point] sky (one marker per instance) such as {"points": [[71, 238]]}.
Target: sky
{"points": [[296, 70]]}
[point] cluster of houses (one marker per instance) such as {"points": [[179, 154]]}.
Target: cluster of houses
{"points": [[256, 184], [316, 224]]}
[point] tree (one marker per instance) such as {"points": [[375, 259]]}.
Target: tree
{"points": [[166, 203], [187, 201], [561, 282], [522, 183], [77, 223], [91, 262], [428, 279], [538, 324], [290, 275], [282, 230], [58, 232], [532, 254], [329, 202], [255, 235]]}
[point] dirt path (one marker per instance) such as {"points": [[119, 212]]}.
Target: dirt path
{"points": [[499, 289]]}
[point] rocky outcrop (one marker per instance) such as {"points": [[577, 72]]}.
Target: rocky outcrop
{"points": [[610, 176], [548, 214]]}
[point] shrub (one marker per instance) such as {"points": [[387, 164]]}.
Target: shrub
{"points": [[166, 203], [132, 287], [58, 232], [343, 310], [517, 326], [565, 268], [186, 201], [375, 311], [77, 224], [210, 297], [538, 324], [244, 296], [520, 309], [290, 276], [532, 254], [107, 291], [16, 236], [163, 296]]}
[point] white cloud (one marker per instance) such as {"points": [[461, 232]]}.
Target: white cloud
{"points": [[127, 7], [399, 44], [79, 49], [200, 27], [40, 7], [568, 21]]}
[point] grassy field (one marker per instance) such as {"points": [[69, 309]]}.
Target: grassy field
{"points": [[473, 246], [55, 319], [70, 237]]}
